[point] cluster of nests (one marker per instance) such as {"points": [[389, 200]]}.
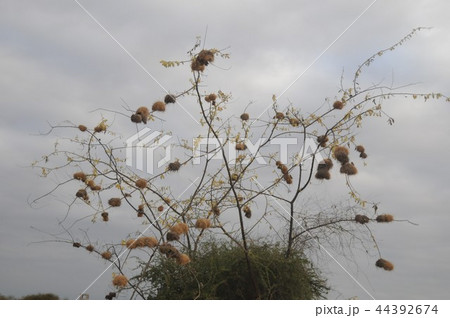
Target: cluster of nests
{"points": [[201, 60], [285, 171], [142, 114], [211, 98], [362, 151], [341, 154], [82, 193], [382, 218], [99, 128], [294, 122]]}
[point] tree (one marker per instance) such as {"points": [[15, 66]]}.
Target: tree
{"points": [[240, 219]]}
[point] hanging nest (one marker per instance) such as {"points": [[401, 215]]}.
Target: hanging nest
{"points": [[169, 250], [245, 117], [114, 202], [360, 148], [82, 127], [131, 244], [170, 99], [215, 210], [361, 219], [171, 236], [140, 214], [141, 208], [110, 296], [93, 186], [96, 188], [180, 228], [105, 216], [100, 127], [349, 169], [159, 106], [76, 244], [174, 166], [247, 211], [183, 259], [279, 116], [205, 57], [79, 176], [149, 241], [135, 118], [120, 281], [294, 122], [322, 140], [338, 104], [241, 146], [385, 218], [160, 208], [202, 224], [144, 113], [197, 66], [323, 174], [106, 255], [211, 98], [386, 265], [202, 60], [341, 154], [288, 178], [82, 194], [90, 248], [328, 163], [141, 183]]}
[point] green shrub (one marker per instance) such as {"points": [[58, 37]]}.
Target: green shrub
{"points": [[219, 271]]}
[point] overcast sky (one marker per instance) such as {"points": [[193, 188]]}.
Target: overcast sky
{"points": [[56, 63]]}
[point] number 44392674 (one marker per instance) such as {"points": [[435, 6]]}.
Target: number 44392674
{"points": [[407, 309]]}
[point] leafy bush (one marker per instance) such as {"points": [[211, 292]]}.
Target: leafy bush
{"points": [[219, 271]]}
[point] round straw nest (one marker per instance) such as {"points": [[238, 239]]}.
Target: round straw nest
{"points": [[245, 117], [159, 106], [385, 218], [141, 183], [338, 104], [202, 224], [170, 99], [386, 265], [120, 281], [362, 219], [114, 202]]}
